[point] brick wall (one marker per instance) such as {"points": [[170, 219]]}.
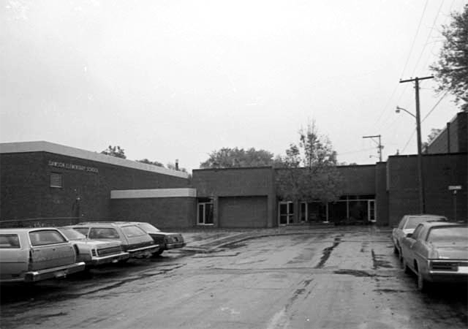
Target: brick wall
{"points": [[440, 171], [161, 212], [233, 182], [358, 180], [454, 137], [26, 192]]}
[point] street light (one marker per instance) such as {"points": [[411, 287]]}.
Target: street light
{"points": [[398, 109], [422, 205]]}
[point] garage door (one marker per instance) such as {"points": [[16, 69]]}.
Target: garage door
{"points": [[243, 212]]}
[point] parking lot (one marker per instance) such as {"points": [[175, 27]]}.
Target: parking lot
{"points": [[315, 278]]}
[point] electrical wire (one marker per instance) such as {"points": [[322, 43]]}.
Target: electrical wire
{"points": [[435, 106], [409, 140], [428, 37], [415, 37]]}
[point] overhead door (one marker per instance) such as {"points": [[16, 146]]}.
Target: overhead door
{"points": [[243, 212]]}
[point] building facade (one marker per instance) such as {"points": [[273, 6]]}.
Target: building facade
{"points": [[50, 183], [42, 181]]}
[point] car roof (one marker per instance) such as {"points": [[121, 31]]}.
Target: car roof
{"points": [[103, 223], [444, 224], [425, 215], [26, 229]]}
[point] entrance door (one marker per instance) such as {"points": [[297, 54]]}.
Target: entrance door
{"points": [[286, 212], [205, 213]]}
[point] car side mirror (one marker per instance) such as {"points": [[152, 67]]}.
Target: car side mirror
{"points": [[409, 235]]}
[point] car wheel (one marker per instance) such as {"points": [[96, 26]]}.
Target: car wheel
{"points": [[423, 285], [157, 253]]}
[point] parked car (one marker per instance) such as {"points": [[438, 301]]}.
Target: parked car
{"points": [[36, 254], [407, 225], [164, 239], [437, 252], [134, 240], [94, 252]]}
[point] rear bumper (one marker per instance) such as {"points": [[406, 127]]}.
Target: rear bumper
{"points": [[175, 245], [446, 276], [53, 273], [143, 251], [96, 261]]}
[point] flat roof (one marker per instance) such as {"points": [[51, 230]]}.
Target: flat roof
{"points": [[42, 146]]}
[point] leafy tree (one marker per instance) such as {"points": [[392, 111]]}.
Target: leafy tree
{"points": [[154, 163], [115, 151], [451, 70], [308, 171], [434, 133], [235, 158]]}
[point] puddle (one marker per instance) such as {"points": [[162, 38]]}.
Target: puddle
{"points": [[327, 252], [356, 273]]}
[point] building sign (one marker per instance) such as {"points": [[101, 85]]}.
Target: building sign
{"points": [[454, 187], [72, 166]]}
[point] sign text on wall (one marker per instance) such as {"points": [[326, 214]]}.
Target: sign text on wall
{"points": [[72, 166]]}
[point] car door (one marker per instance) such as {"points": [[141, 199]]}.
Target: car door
{"points": [[49, 249], [420, 248], [410, 242]]}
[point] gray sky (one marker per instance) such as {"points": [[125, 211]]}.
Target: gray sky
{"points": [[177, 79]]}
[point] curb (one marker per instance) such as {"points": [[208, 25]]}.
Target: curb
{"points": [[214, 245]]}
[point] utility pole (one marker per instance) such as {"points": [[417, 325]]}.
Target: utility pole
{"points": [[422, 201], [380, 147]]}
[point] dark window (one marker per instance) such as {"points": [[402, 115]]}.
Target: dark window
{"points": [[103, 233], [133, 231], [9, 241], [45, 237], [56, 180]]}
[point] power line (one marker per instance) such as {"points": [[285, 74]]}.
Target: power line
{"points": [[412, 134], [357, 151], [438, 102], [415, 37], [428, 37]]}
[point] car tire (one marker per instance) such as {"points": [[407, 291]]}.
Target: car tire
{"points": [[423, 285], [405, 266], [157, 253]]}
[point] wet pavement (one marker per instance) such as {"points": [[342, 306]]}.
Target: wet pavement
{"points": [[273, 278]]}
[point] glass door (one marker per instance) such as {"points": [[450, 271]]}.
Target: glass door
{"points": [[286, 212]]}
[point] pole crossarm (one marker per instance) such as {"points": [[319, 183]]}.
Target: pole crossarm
{"points": [[380, 146]]}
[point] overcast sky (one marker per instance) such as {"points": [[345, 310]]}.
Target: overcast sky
{"points": [[178, 79]]}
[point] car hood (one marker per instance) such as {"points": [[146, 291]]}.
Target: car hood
{"points": [[452, 252]]}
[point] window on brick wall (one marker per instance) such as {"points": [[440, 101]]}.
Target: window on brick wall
{"points": [[56, 180]]}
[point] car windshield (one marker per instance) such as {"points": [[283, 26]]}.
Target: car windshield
{"points": [[415, 221], [133, 231], [72, 234], [456, 235], [148, 228]]}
